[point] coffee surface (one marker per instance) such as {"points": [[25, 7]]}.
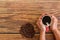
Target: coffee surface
{"points": [[46, 19]]}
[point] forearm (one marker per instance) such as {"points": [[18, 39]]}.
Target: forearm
{"points": [[57, 34], [42, 35]]}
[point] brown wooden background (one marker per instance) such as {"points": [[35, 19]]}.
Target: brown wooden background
{"points": [[14, 13]]}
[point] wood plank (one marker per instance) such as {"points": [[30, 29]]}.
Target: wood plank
{"points": [[14, 27], [22, 17], [29, 8], [31, 1], [20, 37]]}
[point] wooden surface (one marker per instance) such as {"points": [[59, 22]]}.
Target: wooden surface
{"points": [[19, 37], [13, 14]]}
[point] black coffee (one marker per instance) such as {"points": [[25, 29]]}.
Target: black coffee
{"points": [[46, 19]]}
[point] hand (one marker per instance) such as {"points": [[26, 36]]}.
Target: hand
{"points": [[40, 25], [54, 23]]}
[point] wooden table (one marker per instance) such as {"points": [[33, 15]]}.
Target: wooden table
{"points": [[13, 14]]}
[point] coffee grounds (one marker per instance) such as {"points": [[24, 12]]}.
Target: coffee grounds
{"points": [[46, 19], [27, 30]]}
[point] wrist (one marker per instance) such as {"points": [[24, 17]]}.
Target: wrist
{"points": [[54, 29], [42, 31]]}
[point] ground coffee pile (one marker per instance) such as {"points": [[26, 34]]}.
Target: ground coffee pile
{"points": [[27, 30]]}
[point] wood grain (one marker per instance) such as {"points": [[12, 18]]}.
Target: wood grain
{"points": [[20, 37], [14, 13]]}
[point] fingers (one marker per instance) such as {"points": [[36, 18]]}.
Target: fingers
{"points": [[54, 18], [41, 16], [54, 23], [39, 22]]}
